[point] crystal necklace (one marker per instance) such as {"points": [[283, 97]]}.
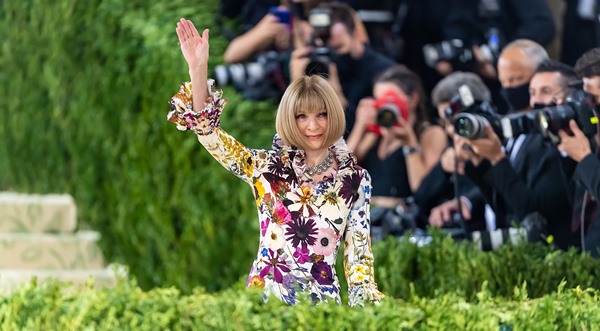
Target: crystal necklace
{"points": [[319, 168]]}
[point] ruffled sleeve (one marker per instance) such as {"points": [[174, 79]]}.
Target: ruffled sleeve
{"points": [[358, 259], [243, 162], [203, 122]]}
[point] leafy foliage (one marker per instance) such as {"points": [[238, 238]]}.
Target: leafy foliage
{"points": [[53, 306]]}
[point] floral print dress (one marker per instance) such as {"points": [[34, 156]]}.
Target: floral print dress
{"points": [[302, 223]]}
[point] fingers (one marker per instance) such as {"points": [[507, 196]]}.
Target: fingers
{"points": [[187, 26], [186, 29], [575, 128], [193, 30], [205, 36], [562, 134], [466, 212], [180, 32]]}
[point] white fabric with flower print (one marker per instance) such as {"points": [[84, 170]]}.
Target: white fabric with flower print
{"points": [[302, 223]]}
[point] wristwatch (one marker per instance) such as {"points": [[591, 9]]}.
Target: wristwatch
{"points": [[408, 150]]}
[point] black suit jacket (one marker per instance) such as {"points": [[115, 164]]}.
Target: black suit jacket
{"points": [[438, 186], [534, 182], [587, 178]]}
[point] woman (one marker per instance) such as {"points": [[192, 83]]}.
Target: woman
{"points": [[308, 189], [397, 154]]}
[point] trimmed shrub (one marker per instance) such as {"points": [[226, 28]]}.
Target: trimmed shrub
{"points": [[53, 306]]}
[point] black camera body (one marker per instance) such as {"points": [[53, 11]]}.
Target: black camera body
{"points": [[469, 117], [579, 106], [319, 59], [460, 54]]}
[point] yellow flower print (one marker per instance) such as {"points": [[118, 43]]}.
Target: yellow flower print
{"points": [[260, 189], [257, 281], [360, 269]]}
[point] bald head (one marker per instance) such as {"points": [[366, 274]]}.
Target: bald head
{"points": [[518, 62]]}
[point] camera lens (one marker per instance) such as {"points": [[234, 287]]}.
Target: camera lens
{"points": [[470, 126], [387, 116]]}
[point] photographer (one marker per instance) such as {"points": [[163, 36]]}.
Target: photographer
{"points": [[516, 66], [484, 27], [394, 139], [256, 60], [436, 197], [270, 33], [550, 84], [524, 178], [337, 49], [583, 150]]}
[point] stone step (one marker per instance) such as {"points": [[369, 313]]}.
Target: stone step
{"points": [[11, 279], [44, 251], [37, 213]]}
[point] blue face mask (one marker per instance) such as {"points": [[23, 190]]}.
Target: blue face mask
{"points": [[517, 98]]}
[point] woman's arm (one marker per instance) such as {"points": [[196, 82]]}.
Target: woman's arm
{"points": [[358, 256], [359, 141], [255, 40], [432, 144], [193, 108]]}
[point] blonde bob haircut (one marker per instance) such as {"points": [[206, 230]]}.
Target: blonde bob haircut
{"points": [[309, 94]]}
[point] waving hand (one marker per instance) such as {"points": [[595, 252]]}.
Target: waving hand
{"points": [[195, 51]]}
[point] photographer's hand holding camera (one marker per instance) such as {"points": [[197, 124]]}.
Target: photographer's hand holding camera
{"points": [[269, 32], [576, 146], [488, 147]]}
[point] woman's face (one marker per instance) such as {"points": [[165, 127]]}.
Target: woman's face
{"points": [[380, 88], [313, 126]]}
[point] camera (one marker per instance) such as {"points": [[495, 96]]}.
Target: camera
{"points": [[319, 59], [459, 54], [470, 117], [391, 106], [578, 106], [256, 80]]}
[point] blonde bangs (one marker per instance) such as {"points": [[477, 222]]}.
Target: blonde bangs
{"points": [[309, 94]]}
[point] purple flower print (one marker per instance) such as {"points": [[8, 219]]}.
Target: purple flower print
{"points": [[274, 263], [322, 273], [301, 255], [301, 231]]}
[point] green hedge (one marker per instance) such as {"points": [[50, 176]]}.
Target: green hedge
{"points": [[85, 90], [55, 307], [445, 266]]}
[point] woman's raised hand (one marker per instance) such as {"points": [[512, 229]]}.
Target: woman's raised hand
{"points": [[193, 46]]}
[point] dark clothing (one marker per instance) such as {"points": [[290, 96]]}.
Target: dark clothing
{"points": [[534, 182], [356, 78], [414, 24], [249, 12], [511, 20], [579, 34], [422, 26], [389, 177], [516, 19], [438, 186], [587, 194]]}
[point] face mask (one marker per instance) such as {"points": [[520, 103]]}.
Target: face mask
{"points": [[517, 98], [543, 105]]}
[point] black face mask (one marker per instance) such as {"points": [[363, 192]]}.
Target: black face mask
{"points": [[517, 98], [543, 105]]}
